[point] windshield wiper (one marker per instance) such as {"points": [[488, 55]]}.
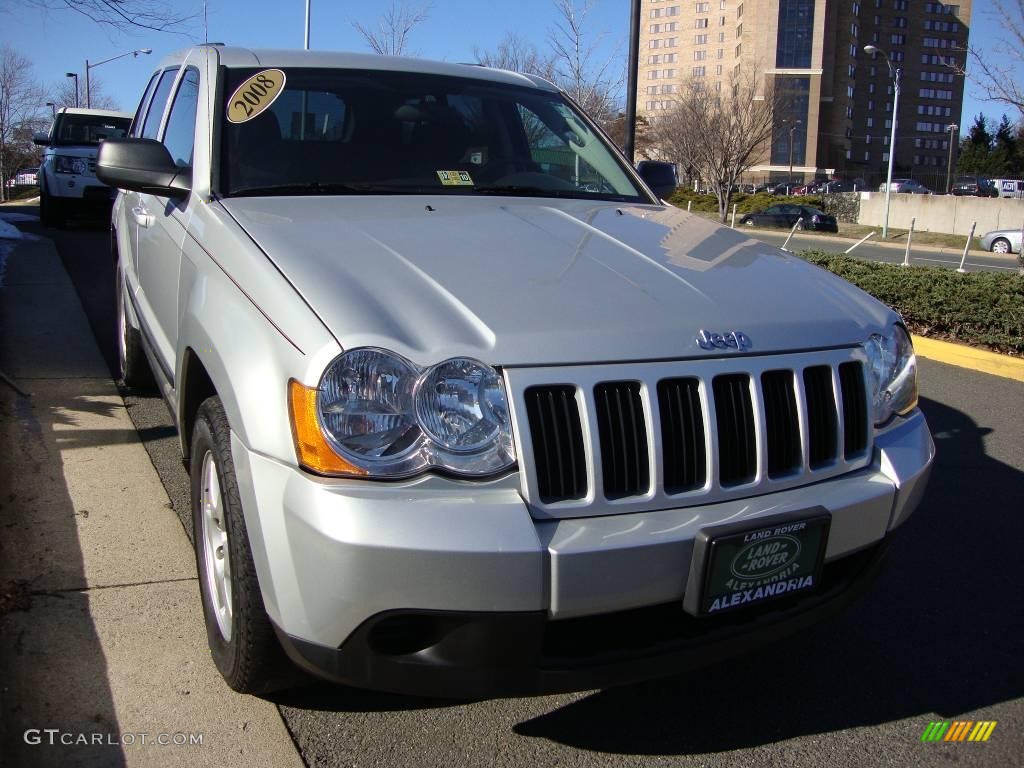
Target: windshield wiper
{"points": [[311, 188], [524, 190]]}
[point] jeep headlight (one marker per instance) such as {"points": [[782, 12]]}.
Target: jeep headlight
{"points": [[71, 165], [375, 414], [892, 374]]}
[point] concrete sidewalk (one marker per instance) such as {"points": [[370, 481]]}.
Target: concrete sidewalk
{"points": [[101, 631]]}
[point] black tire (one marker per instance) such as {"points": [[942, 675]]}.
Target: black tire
{"points": [[251, 659], [51, 210], [747, 222], [134, 370]]}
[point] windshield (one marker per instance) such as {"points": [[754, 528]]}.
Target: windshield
{"points": [[343, 131], [90, 129]]}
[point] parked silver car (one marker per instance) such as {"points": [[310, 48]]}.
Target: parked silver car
{"points": [[467, 410], [1001, 241], [909, 186]]}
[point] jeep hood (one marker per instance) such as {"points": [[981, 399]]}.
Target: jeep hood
{"points": [[518, 281]]}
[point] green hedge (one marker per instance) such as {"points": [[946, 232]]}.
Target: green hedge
{"points": [[981, 308], [744, 203]]}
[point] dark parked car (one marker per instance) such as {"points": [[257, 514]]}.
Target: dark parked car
{"points": [[785, 215], [978, 186]]}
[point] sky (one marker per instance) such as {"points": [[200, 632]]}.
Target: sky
{"points": [[59, 41]]}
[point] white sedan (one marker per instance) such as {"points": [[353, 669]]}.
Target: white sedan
{"points": [[1002, 241]]}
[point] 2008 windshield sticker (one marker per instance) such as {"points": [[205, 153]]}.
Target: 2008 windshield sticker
{"points": [[455, 178], [254, 95]]}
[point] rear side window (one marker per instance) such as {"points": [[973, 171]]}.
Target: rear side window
{"points": [[179, 138], [156, 107], [137, 121]]}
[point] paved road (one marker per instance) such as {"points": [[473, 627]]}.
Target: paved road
{"points": [[921, 255], [941, 635]]}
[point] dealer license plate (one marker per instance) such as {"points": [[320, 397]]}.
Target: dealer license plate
{"points": [[742, 566]]}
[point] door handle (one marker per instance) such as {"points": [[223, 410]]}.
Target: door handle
{"points": [[142, 217]]}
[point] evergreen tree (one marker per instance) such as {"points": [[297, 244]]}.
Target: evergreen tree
{"points": [[976, 148], [1004, 158]]}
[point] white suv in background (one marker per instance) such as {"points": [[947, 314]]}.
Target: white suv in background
{"points": [[67, 175]]}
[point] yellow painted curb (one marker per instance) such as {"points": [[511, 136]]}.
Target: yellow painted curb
{"points": [[969, 357]]}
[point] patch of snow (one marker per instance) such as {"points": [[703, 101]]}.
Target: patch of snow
{"points": [[9, 231], [13, 217]]}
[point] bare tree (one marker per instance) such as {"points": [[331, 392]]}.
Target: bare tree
{"points": [[391, 38], [518, 55], [62, 93], [591, 82], [719, 135], [124, 15], [20, 99], [996, 66]]}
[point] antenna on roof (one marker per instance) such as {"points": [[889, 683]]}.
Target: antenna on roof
{"points": [[206, 27]]}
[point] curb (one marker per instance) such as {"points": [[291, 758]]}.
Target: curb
{"points": [[963, 356], [888, 244]]}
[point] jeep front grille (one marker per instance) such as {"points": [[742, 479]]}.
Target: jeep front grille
{"points": [[626, 437]]}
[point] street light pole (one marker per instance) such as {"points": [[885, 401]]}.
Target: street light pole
{"points": [[75, 75], [306, 41], [88, 66], [629, 143], [792, 128], [53, 108], [952, 128], [894, 72]]}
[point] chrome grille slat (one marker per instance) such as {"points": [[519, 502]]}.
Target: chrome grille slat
{"points": [[676, 434]]}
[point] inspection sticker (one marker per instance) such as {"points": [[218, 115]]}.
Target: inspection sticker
{"points": [[455, 178], [254, 95]]}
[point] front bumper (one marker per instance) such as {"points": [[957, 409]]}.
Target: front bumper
{"points": [[83, 189], [439, 586]]}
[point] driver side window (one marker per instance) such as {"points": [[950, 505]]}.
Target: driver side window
{"points": [[180, 134]]}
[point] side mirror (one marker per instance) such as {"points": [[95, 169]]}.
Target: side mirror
{"points": [[41, 139], [659, 176], [142, 165]]}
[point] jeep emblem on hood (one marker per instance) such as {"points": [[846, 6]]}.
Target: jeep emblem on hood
{"points": [[731, 340]]}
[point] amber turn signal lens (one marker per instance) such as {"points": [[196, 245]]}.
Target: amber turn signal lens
{"points": [[313, 450]]}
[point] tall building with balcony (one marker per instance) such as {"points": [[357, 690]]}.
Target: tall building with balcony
{"points": [[838, 100]]}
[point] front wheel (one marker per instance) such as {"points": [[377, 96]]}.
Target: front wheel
{"points": [[241, 638], [133, 367], [1001, 245], [747, 222]]}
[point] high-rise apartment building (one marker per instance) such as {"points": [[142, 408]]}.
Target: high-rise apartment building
{"points": [[839, 99]]}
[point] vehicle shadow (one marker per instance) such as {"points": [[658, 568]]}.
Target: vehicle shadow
{"points": [[940, 632], [52, 664]]}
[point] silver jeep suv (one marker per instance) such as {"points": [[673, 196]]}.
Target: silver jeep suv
{"points": [[467, 409]]}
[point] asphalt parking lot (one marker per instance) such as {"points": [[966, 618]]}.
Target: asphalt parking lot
{"points": [[939, 637]]}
